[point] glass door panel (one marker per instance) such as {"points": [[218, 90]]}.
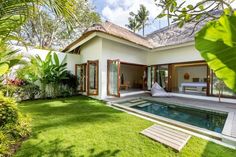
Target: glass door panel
{"points": [[216, 85], [113, 82], [162, 76], [81, 77], [92, 80], [149, 78]]}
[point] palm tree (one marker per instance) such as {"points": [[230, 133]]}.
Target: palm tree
{"points": [[142, 17], [8, 59], [133, 24], [14, 13]]}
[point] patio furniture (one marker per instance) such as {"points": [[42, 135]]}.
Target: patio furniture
{"points": [[124, 86], [198, 85], [157, 90]]}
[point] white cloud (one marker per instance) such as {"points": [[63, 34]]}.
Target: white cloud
{"points": [[117, 11]]}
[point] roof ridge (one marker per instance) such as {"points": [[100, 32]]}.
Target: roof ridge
{"points": [[125, 29]]}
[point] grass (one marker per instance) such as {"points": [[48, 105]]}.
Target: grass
{"points": [[83, 127]]}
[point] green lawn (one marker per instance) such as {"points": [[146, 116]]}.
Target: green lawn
{"points": [[84, 127]]}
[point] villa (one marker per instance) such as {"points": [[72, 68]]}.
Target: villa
{"points": [[115, 62]]}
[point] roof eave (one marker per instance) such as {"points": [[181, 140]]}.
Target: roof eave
{"points": [[168, 47], [89, 35]]}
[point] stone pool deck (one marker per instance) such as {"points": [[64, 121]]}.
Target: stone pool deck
{"points": [[230, 108]]}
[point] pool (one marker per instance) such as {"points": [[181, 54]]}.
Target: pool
{"points": [[210, 120]]}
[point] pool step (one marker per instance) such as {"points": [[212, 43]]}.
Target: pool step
{"points": [[169, 137], [144, 105], [135, 100]]}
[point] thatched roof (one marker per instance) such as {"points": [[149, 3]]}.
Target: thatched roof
{"points": [[167, 36], [114, 30], [174, 35]]}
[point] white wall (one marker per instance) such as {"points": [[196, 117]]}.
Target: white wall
{"points": [[176, 55], [194, 72], [71, 59], [92, 51], [113, 50]]}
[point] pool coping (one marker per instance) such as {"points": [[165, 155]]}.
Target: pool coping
{"points": [[225, 136]]}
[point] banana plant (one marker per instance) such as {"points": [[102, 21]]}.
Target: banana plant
{"points": [[216, 42], [47, 71], [8, 59]]}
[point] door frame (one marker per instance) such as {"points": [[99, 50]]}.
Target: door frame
{"points": [[108, 78], [84, 65], [194, 64], [97, 76], [153, 71]]}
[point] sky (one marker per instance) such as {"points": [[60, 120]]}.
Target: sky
{"points": [[117, 11]]}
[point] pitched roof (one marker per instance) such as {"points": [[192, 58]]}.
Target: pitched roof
{"points": [[167, 36], [174, 35], [114, 30]]}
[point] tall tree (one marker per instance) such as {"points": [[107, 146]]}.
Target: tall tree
{"points": [[15, 13], [133, 24], [142, 17], [138, 21], [48, 31]]}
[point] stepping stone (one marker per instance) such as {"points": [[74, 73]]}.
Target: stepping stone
{"points": [[167, 136]]}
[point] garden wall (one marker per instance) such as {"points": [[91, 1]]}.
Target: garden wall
{"points": [[72, 59]]}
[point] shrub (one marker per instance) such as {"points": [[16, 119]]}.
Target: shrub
{"points": [[8, 110], [69, 83], [13, 125], [29, 90]]}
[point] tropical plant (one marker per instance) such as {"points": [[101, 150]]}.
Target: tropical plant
{"points": [[139, 20], [13, 125], [8, 59], [48, 71], [58, 72], [215, 41], [217, 45], [70, 84], [51, 32], [142, 17], [14, 13], [133, 24]]}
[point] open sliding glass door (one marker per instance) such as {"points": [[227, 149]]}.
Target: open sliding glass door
{"points": [[151, 79], [92, 79], [81, 76], [160, 74], [113, 78]]}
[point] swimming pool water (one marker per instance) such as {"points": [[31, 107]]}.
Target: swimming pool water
{"points": [[205, 119]]}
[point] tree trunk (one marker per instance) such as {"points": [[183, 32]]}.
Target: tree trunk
{"points": [[143, 29], [168, 18]]}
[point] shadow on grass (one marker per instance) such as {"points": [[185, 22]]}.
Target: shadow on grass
{"points": [[215, 150], [56, 148], [105, 153], [52, 148], [74, 111]]}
